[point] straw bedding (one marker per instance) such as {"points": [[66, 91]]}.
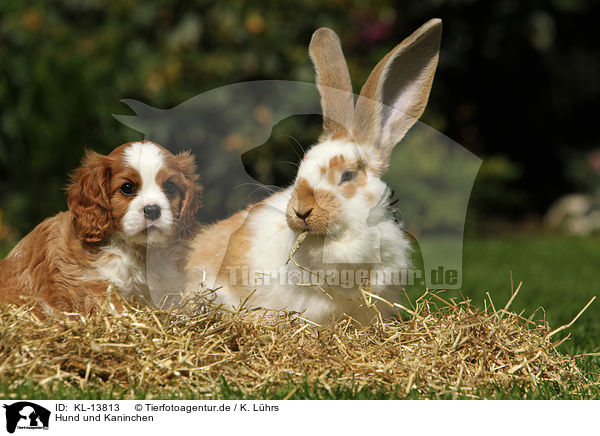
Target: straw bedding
{"points": [[440, 348]]}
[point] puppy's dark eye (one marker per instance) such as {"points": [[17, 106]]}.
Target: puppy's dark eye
{"points": [[347, 176], [169, 187], [128, 188]]}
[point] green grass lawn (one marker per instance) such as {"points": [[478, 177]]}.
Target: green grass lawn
{"points": [[559, 278], [559, 275]]}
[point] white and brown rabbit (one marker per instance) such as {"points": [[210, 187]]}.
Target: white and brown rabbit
{"points": [[338, 197]]}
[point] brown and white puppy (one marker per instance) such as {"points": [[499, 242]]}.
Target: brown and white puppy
{"points": [[130, 216]]}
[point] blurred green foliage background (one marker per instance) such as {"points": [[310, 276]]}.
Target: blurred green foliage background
{"points": [[518, 82]]}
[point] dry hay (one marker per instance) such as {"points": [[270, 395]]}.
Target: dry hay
{"points": [[442, 347]]}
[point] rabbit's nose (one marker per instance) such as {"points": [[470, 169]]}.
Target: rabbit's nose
{"points": [[303, 215]]}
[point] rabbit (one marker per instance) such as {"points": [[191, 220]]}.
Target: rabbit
{"points": [[338, 201]]}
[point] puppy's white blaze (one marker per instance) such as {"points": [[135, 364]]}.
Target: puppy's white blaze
{"points": [[147, 159]]}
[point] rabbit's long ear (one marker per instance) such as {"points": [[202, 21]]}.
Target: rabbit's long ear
{"points": [[395, 94], [333, 81]]}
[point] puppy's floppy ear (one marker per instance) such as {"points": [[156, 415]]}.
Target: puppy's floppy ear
{"points": [[188, 223], [88, 197]]}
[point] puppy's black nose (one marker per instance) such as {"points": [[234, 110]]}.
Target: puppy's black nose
{"points": [[303, 215], [152, 212]]}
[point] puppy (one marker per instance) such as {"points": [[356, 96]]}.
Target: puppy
{"points": [[130, 216]]}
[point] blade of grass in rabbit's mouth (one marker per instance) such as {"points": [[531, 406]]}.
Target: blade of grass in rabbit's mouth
{"points": [[301, 237]]}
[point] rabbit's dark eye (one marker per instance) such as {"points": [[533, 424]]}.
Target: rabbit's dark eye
{"points": [[169, 187], [127, 188], [347, 176]]}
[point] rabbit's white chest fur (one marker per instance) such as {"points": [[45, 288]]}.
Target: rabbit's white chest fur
{"points": [[341, 262]]}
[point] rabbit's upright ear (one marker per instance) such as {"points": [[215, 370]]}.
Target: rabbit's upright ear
{"points": [[395, 94], [333, 81]]}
